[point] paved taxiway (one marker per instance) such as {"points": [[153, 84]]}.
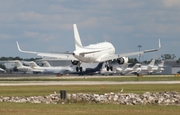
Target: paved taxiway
{"points": [[29, 83]]}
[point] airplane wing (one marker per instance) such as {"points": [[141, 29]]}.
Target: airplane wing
{"points": [[66, 56], [116, 56]]}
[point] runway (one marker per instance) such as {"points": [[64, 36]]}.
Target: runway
{"points": [[46, 83]]}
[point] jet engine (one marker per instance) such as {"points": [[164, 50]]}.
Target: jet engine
{"points": [[74, 62], [122, 60]]}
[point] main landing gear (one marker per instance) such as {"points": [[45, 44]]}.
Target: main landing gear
{"points": [[108, 66], [79, 69]]}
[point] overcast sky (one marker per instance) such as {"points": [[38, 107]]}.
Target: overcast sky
{"points": [[47, 25]]}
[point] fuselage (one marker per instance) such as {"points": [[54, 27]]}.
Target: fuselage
{"points": [[93, 52]]}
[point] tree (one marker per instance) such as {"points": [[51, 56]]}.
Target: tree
{"points": [[168, 56], [133, 61], [178, 61]]}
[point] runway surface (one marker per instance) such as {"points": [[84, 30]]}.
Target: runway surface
{"points": [[8, 80], [29, 83]]}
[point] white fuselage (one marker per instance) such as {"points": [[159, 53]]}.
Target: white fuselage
{"points": [[124, 71], [93, 53], [145, 69]]}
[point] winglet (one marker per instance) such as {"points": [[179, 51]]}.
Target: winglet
{"points": [[18, 46], [152, 50], [78, 43], [25, 51], [159, 43]]}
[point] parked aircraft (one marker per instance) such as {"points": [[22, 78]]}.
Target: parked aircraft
{"points": [[124, 69], [21, 67], [90, 71], [45, 64], [2, 70], [158, 68], [93, 53], [55, 70], [149, 69]]}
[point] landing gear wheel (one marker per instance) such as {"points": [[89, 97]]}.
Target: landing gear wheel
{"points": [[107, 68], [77, 69], [80, 69]]}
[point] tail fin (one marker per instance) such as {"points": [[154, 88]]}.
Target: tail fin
{"points": [[136, 66], [46, 64], [18, 63], [33, 64], [78, 43], [124, 66], [152, 62], [161, 64], [99, 66]]}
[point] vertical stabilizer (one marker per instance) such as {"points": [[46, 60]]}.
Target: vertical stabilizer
{"points": [[124, 66], [18, 63], [99, 66], [152, 62], [46, 64], [136, 66], [33, 64], [161, 64], [78, 43]]}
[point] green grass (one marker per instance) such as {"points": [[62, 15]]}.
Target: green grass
{"points": [[85, 109], [46, 90]]}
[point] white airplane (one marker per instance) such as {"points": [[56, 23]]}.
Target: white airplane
{"points": [[124, 69], [148, 69], [158, 68], [61, 70], [2, 70], [93, 53], [21, 67], [46, 64]]}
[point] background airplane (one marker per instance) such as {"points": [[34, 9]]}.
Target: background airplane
{"points": [[2, 70], [21, 67], [158, 68], [90, 71], [93, 53], [61, 70], [124, 69], [149, 69]]}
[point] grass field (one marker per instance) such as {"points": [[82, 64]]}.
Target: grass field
{"points": [[83, 108]]}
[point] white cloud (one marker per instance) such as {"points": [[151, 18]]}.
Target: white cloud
{"points": [[5, 37], [31, 34], [31, 16], [171, 3]]}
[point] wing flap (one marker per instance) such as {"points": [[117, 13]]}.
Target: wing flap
{"points": [[58, 56]]}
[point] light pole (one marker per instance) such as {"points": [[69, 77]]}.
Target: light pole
{"points": [[139, 46]]}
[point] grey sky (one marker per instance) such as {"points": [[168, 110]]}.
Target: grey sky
{"points": [[46, 25]]}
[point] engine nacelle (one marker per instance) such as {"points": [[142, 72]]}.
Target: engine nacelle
{"points": [[74, 62], [122, 60]]}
